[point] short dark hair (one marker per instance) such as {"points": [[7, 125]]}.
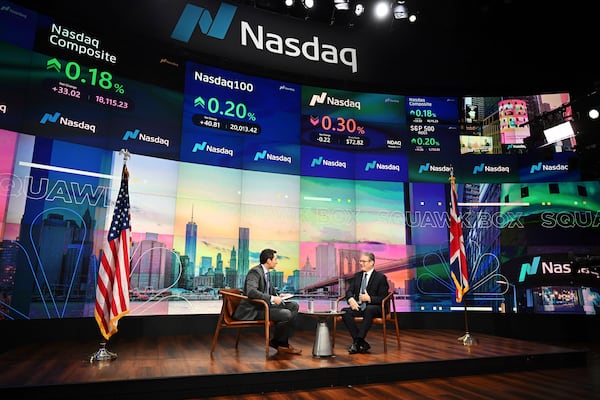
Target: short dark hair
{"points": [[267, 254], [370, 255]]}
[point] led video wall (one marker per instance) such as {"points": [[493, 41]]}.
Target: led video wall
{"points": [[226, 164]]}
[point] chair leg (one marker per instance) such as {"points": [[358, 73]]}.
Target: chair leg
{"points": [[384, 336], [237, 337], [267, 332], [215, 338], [397, 330]]}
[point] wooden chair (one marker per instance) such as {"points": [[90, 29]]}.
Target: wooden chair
{"points": [[231, 300], [388, 316]]}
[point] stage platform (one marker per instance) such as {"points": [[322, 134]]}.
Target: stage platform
{"points": [[181, 367]]}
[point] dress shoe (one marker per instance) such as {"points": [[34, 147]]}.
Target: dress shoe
{"points": [[274, 344], [363, 346], [289, 349], [353, 349]]}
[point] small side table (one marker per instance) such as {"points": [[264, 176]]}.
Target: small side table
{"points": [[322, 344]]}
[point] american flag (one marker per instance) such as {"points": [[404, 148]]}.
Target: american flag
{"points": [[112, 290], [458, 258]]}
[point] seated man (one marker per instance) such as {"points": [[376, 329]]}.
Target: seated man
{"points": [[364, 296], [284, 313]]}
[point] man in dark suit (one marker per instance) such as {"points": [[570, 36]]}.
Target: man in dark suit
{"points": [[284, 313], [364, 296]]}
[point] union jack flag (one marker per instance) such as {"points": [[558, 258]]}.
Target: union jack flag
{"points": [[112, 290], [458, 257]]}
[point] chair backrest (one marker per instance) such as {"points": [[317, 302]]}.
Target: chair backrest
{"points": [[231, 301]]}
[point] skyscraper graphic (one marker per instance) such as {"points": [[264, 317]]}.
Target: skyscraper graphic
{"points": [[326, 261], [191, 235], [243, 255]]}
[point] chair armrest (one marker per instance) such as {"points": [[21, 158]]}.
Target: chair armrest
{"points": [[264, 304]]}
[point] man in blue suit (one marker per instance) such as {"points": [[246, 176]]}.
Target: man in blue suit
{"points": [[364, 296], [284, 313]]}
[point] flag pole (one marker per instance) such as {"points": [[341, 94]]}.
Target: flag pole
{"points": [[467, 338], [102, 354], [458, 258]]}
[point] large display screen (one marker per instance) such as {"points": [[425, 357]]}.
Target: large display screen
{"points": [[228, 163]]}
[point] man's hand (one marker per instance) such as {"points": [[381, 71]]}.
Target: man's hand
{"points": [[277, 300], [365, 298], [353, 304]]}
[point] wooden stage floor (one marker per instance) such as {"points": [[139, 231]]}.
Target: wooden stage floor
{"points": [[181, 367]]}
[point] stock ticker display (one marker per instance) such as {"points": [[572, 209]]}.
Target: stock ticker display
{"points": [[335, 170]]}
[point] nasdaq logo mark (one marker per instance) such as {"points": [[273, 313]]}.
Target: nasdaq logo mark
{"points": [[423, 168], [193, 16], [137, 135], [535, 168], [370, 165], [328, 163], [321, 98], [50, 118], [66, 121], [318, 98], [212, 149], [131, 135], [199, 147], [264, 155], [260, 155], [478, 168], [529, 269]]}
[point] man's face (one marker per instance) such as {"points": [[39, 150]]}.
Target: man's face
{"points": [[272, 263], [365, 264]]}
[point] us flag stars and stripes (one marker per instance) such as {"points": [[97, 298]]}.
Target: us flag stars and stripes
{"points": [[112, 290]]}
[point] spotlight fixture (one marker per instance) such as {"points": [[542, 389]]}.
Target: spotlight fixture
{"points": [[359, 9], [382, 9], [593, 113], [308, 4], [342, 5], [289, 3], [400, 10]]}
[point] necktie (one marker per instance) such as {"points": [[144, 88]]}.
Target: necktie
{"points": [[268, 281], [363, 289]]}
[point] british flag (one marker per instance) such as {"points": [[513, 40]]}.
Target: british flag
{"points": [[458, 257]]}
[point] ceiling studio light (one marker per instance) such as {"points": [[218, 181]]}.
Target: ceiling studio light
{"points": [[289, 3], [308, 4], [342, 5], [382, 9], [359, 9], [400, 10]]}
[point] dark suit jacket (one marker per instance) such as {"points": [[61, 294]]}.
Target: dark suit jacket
{"points": [[377, 287], [255, 287]]}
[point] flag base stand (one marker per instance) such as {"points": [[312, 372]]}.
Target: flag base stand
{"points": [[102, 354], [468, 339]]}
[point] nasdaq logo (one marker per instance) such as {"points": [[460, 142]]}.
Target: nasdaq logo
{"points": [[529, 269], [264, 155], [199, 147], [423, 168], [535, 168], [137, 135], [66, 121], [194, 16], [316, 161], [50, 118], [323, 97], [370, 165], [478, 168], [212, 149], [260, 155], [328, 163]]}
